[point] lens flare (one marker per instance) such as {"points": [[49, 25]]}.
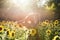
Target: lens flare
{"points": [[22, 4]]}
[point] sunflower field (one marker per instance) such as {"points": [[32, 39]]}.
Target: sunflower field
{"points": [[49, 30], [46, 30]]}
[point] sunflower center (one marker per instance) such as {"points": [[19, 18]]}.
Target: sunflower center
{"points": [[0, 28]]}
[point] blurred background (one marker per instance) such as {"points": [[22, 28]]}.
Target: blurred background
{"points": [[29, 12]]}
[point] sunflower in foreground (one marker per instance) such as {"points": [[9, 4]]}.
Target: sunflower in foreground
{"points": [[56, 38]]}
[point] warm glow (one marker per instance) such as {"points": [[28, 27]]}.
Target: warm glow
{"points": [[22, 4], [29, 22]]}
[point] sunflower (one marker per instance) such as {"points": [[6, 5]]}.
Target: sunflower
{"points": [[45, 23], [8, 32], [50, 7], [32, 32], [1, 28], [48, 32], [3, 22], [56, 37], [56, 22], [12, 34]]}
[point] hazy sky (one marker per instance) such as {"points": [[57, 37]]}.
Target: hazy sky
{"points": [[24, 10]]}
